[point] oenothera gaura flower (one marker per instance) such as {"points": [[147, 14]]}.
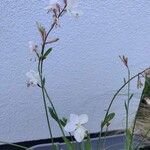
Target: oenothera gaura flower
{"points": [[72, 8], [55, 8], [32, 46], [33, 78], [75, 125]]}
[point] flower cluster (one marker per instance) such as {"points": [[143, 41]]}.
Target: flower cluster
{"points": [[57, 9], [71, 7]]}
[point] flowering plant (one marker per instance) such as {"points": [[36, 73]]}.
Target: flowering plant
{"points": [[75, 125]]}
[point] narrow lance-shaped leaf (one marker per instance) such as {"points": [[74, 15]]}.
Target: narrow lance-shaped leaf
{"points": [[53, 114], [46, 53], [55, 117], [125, 105], [63, 121], [107, 119], [131, 96]]}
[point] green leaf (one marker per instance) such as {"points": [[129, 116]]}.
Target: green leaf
{"points": [[125, 104], [53, 114], [63, 121], [131, 96], [107, 119], [46, 53], [55, 117]]}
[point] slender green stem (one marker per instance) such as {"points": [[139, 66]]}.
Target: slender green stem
{"points": [[74, 145], [44, 100], [15, 145], [104, 143], [40, 70], [51, 28], [80, 146], [128, 145], [99, 145], [59, 123], [70, 146], [128, 101]]}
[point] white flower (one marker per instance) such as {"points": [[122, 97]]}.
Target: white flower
{"points": [[32, 46], [52, 5], [75, 125], [32, 78], [72, 8]]}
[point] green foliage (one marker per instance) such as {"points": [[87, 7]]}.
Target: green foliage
{"points": [[46, 53], [63, 121], [107, 119], [131, 96], [126, 107], [53, 114]]}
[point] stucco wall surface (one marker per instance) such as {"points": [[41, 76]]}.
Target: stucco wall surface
{"points": [[83, 70]]}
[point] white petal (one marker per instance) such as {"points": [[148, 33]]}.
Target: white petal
{"points": [[74, 118], [32, 77], [79, 134], [70, 127], [83, 118]]}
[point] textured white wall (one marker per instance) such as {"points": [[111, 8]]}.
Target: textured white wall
{"points": [[83, 70]]}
